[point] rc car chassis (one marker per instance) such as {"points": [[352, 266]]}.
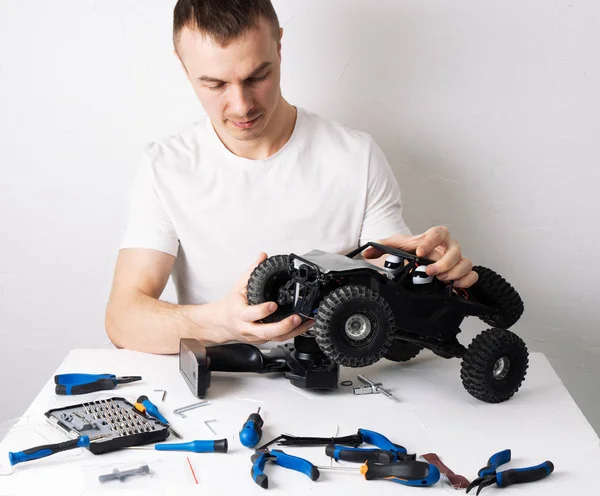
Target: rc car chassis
{"points": [[363, 313]]}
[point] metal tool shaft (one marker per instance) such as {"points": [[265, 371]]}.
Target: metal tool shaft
{"points": [[190, 407], [376, 387]]}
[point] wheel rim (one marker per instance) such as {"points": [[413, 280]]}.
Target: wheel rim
{"points": [[501, 368], [273, 285], [357, 327]]}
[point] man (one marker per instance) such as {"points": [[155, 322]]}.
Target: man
{"points": [[256, 175]]}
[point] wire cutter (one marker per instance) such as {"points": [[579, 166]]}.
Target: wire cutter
{"points": [[69, 384], [260, 459], [489, 474], [386, 452]]}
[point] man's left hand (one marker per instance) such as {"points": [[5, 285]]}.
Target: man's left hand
{"points": [[435, 244]]}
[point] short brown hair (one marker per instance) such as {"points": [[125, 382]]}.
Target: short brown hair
{"points": [[222, 20]]}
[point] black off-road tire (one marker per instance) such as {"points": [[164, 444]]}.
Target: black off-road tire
{"points": [[264, 283], [493, 290], [402, 351], [346, 307], [494, 365]]}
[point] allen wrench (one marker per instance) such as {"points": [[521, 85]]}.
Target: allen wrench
{"points": [[179, 411]]}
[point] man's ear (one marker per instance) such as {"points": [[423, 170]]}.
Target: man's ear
{"points": [[181, 62], [279, 43]]}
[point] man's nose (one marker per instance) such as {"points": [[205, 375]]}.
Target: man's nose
{"points": [[240, 102]]}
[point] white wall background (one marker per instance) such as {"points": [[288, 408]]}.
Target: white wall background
{"points": [[488, 111]]}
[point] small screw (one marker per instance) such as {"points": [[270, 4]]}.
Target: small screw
{"points": [[164, 393]]}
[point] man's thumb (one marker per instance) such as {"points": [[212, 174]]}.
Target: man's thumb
{"points": [[261, 258], [243, 281]]}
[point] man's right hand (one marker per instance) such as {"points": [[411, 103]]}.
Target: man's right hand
{"points": [[236, 320]]}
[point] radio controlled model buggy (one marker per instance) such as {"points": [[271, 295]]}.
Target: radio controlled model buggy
{"points": [[363, 312]]}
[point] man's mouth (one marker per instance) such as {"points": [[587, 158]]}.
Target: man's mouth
{"points": [[246, 124]]}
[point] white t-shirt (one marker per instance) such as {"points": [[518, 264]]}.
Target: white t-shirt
{"points": [[328, 187]]}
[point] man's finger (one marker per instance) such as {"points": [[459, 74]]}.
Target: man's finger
{"points": [[372, 252], [452, 257], [436, 236], [243, 280], [271, 331], [252, 313], [301, 329], [461, 269], [399, 241], [466, 281]]}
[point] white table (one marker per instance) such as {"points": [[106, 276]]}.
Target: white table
{"points": [[431, 413]]}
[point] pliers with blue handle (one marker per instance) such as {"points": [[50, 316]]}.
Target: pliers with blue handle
{"points": [[260, 459], [386, 452], [361, 455], [70, 384], [489, 474]]}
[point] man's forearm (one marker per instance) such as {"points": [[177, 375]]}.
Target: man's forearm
{"points": [[143, 323]]}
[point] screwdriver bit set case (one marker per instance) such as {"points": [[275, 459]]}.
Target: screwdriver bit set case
{"points": [[115, 419]]}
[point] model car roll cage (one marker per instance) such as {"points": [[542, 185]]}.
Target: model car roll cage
{"points": [[409, 261], [310, 276]]}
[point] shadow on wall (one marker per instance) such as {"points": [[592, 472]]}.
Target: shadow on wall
{"points": [[451, 130]]}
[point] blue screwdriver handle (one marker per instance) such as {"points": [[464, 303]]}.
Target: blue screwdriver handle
{"points": [[521, 475], [494, 462], [379, 440], [152, 409], [251, 431], [295, 463], [250, 434], [218, 446], [47, 450]]}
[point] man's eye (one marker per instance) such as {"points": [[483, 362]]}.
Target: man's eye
{"points": [[216, 86], [258, 78]]}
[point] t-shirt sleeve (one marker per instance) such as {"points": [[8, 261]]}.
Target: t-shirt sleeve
{"points": [[383, 206], [149, 224]]}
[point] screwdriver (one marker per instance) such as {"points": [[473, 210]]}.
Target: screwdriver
{"points": [[407, 472], [144, 404], [51, 449], [217, 446], [252, 430]]}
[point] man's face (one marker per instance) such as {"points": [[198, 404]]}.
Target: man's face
{"points": [[238, 85]]}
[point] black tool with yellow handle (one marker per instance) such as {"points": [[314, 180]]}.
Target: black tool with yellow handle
{"points": [[407, 472]]}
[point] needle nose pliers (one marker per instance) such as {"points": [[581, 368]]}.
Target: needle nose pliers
{"points": [[489, 474], [69, 384]]}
